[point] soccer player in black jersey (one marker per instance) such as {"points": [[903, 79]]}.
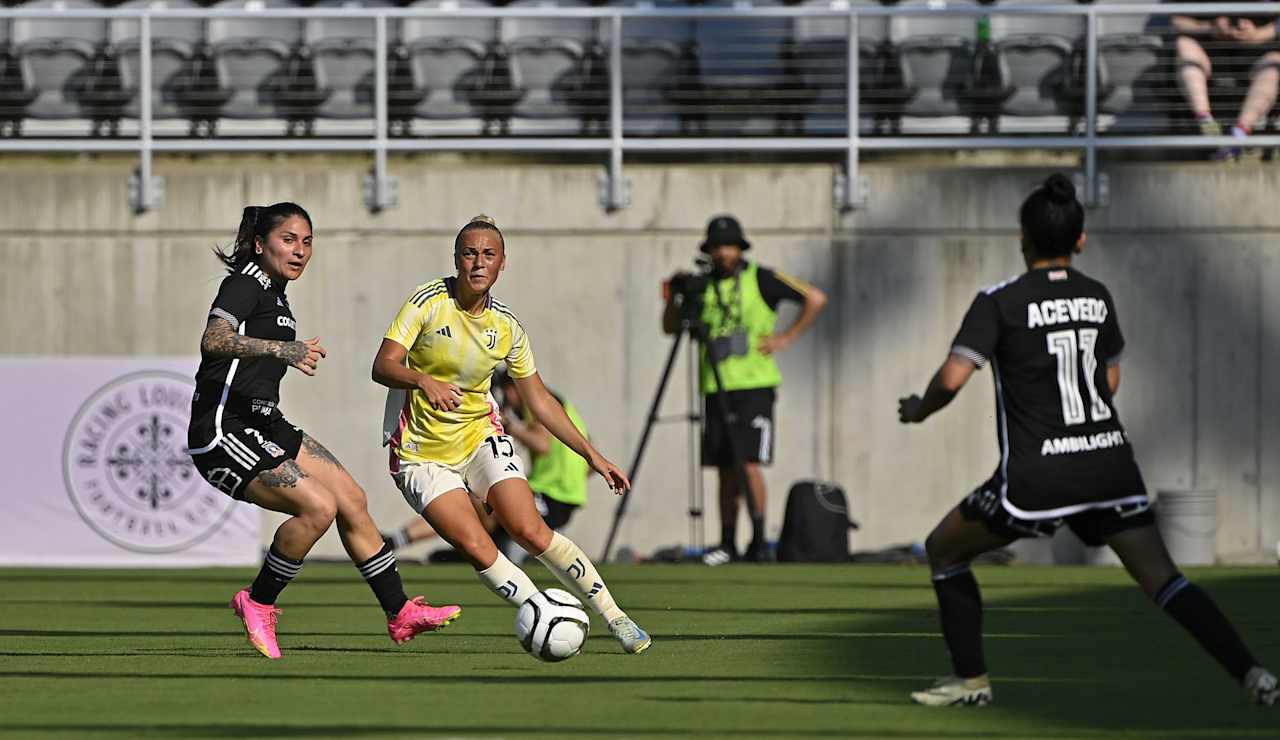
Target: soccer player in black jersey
{"points": [[1054, 345], [242, 444]]}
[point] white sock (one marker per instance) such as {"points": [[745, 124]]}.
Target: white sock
{"points": [[571, 566], [508, 581]]}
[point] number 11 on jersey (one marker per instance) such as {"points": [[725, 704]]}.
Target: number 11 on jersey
{"points": [[1074, 350]]}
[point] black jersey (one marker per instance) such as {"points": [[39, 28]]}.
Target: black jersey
{"points": [[1050, 335], [257, 307]]}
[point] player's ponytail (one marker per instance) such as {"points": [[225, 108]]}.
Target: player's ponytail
{"points": [[256, 222], [476, 224], [1052, 219]]}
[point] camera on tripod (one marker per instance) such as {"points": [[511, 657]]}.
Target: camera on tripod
{"points": [[690, 286]]}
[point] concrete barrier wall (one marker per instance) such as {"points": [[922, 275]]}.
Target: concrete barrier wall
{"points": [[1189, 252]]}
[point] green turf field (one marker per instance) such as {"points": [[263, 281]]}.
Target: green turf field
{"points": [[781, 651]]}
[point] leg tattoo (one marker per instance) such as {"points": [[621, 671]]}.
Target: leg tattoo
{"points": [[317, 450], [285, 475]]}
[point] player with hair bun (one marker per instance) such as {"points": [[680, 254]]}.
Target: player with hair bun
{"points": [[446, 436], [1054, 345], [242, 444]]}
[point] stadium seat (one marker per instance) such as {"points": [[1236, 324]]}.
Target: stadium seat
{"points": [[1035, 55], [345, 53], [749, 69], [64, 62], [558, 63], [1141, 82], [822, 50], [458, 63], [16, 90], [655, 54], [174, 42], [937, 61], [265, 65]]}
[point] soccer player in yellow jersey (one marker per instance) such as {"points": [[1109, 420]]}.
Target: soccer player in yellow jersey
{"points": [[447, 440]]}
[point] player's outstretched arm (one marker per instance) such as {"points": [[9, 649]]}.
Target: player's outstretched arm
{"points": [[944, 386], [547, 410], [222, 340]]}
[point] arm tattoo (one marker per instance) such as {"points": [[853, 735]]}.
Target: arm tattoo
{"points": [[221, 340], [285, 475], [317, 450]]}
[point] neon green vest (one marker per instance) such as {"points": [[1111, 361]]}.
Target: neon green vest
{"points": [[746, 308], [561, 474]]}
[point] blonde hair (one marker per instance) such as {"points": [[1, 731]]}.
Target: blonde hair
{"points": [[479, 222]]}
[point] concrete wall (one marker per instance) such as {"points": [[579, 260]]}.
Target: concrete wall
{"points": [[1187, 250]]}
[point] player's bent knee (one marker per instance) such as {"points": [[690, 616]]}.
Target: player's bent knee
{"points": [[352, 500], [477, 548], [939, 555], [320, 510], [534, 537]]}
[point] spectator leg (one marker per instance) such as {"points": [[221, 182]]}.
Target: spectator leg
{"points": [[1262, 92], [1194, 70]]}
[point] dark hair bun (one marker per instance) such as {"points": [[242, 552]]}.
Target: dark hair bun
{"points": [[1059, 188]]}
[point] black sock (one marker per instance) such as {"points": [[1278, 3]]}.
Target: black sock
{"points": [[757, 529], [960, 606], [383, 576], [276, 572], [729, 537], [1195, 611]]}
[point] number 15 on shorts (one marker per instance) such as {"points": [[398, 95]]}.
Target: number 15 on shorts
{"points": [[501, 446]]}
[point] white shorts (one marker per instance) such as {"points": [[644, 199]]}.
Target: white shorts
{"points": [[493, 461]]}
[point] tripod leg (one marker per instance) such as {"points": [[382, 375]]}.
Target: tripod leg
{"points": [[650, 420]]}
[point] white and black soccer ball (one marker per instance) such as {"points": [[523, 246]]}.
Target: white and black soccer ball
{"points": [[552, 626]]}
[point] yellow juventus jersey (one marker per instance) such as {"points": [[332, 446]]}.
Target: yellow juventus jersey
{"points": [[452, 346]]}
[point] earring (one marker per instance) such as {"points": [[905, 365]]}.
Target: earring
{"points": [[258, 251]]}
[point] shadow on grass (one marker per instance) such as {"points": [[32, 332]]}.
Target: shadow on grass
{"points": [[1125, 667]]}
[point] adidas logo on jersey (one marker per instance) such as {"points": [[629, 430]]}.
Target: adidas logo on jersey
{"points": [[512, 468], [444, 332]]}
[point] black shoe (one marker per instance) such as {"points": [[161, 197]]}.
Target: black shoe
{"points": [[758, 552], [719, 556]]}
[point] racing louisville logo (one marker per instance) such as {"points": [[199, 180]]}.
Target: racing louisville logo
{"points": [[127, 471]]}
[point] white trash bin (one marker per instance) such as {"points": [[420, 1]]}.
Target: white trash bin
{"points": [[1188, 521]]}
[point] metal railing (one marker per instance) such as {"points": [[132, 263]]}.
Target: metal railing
{"points": [[146, 190]]}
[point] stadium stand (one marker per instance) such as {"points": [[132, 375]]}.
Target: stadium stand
{"points": [[743, 73]]}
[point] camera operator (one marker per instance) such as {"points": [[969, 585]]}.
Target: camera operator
{"points": [[739, 300]]}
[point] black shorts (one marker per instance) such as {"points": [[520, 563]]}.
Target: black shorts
{"points": [[247, 447], [750, 424], [555, 513], [1092, 526]]}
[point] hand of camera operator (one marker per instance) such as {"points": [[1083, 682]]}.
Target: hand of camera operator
{"points": [[814, 301]]}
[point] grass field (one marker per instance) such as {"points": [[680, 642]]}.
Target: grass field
{"points": [[783, 651]]}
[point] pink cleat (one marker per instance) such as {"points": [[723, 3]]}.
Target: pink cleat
{"points": [[259, 623], [418, 616]]}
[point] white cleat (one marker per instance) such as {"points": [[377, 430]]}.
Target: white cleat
{"points": [[952, 691], [634, 640], [1262, 686]]}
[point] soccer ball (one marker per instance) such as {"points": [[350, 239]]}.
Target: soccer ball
{"points": [[551, 625]]}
